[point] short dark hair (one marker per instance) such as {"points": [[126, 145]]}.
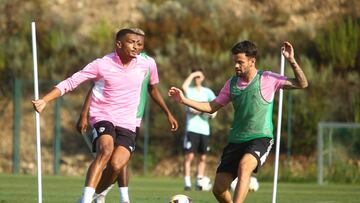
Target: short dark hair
{"points": [[246, 47], [121, 33], [194, 69]]}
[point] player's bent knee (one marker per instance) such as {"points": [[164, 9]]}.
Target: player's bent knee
{"points": [[105, 153], [117, 165], [189, 157], [203, 158], [217, 193], [218, 190]]}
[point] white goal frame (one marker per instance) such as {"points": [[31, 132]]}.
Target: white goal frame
{"points": [[320, 144]]}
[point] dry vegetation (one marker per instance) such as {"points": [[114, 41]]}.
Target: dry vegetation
{"points": [[277, 18]]}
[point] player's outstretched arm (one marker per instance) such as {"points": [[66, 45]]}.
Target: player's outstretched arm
{"points": [[40, 104], [300, 81], [156, 96], [207, 107], [82, 122]]}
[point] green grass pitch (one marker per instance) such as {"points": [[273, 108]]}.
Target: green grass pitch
{"points": [[64, 189]]}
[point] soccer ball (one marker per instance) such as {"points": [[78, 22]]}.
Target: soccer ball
{"points": [[253, 186], [179, 198], [204, 184]]}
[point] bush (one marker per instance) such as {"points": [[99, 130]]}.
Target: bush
{"points": [[344, 172], [338, 44]]}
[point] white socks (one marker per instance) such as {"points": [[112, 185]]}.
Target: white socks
{"points": [[198, 178], [187, 181], [124, 194], [88, 194]]}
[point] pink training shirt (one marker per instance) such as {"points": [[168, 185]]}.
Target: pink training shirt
{"points": [[270, 82], [118, 92]]}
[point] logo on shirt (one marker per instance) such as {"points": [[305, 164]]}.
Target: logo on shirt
{"points": [[188, 145], [101, 129]]}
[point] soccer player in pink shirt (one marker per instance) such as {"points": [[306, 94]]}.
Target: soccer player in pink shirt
{"points": [[251, 92], [113, 111], [149, 84]]}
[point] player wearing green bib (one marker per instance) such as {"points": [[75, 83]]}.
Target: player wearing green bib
{"points": [[251, 91], [253, 114]]}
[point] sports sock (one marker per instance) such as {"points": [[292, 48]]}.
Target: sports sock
{"points": [[187, 181], [124, 194], [88, 194], [198, 178]]}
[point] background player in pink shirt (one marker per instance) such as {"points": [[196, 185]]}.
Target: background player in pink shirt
{"points": [[251, 92], [113, 110]]}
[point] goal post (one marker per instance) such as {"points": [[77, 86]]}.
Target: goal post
{"points": [[326, 139]]}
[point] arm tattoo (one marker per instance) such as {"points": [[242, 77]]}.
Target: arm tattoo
{"points": [[299, 74]]}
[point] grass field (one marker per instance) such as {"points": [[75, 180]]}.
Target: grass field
{"points": [[63, 189]]}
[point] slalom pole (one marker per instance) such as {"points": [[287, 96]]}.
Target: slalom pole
{"points": [[278, 132], [37, 115]]}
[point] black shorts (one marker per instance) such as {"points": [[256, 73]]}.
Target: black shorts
{"points": [[121, 136], [233, 153], [195, 142]]}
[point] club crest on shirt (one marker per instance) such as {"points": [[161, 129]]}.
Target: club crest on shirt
{"points": [[101, 129]]}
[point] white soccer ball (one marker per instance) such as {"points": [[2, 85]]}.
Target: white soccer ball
{"points": [[179, 198], [253, 186], [204, 183]]}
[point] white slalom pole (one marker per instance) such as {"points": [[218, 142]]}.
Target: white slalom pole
{"points": [[278, 132], [37, 115]]}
